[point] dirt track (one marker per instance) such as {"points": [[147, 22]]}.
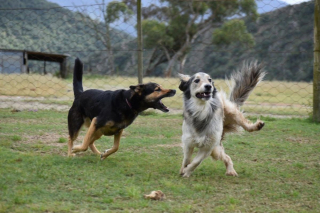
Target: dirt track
{"points": [[33, 104], [29, 103]]}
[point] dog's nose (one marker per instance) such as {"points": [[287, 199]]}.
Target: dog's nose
{"points": [[207, 87]]}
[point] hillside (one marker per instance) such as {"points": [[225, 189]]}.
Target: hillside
{"points": [[39, 25], [284, 42], [263, 6]]}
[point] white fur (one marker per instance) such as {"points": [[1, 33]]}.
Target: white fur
{"points": [[205, 141], [216, 116]]}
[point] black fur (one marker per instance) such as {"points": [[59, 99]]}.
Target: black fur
{"points": [[185, 88], [77, 78], [120, 106]]}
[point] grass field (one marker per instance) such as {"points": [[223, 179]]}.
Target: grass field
{"points": [[278, 167], [270, 97]]}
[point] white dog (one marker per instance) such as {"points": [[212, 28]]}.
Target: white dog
{"points": [[209, 115]]}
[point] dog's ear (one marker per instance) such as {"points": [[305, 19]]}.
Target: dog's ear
{"points": [[184, 78], [138, 88], [184, 82]]}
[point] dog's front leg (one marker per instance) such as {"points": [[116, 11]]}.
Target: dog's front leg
{"points": [[94, 149], [115, 147], [91, 135], [201, 155], [187, 153]]}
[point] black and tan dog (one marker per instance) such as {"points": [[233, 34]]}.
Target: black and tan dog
{"points": [[108, 112]]}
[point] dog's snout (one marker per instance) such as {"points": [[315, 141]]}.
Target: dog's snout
{"points": [[207, 87], [172, 92]]}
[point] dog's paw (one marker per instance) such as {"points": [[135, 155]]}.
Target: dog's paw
{"points": [[76, 149], [232, 173], [185, 173], [104, 154], [71, 155], [181, 171], [260, 125], [102, 158]]}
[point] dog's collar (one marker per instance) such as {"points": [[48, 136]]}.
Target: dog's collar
{"points": [[128, 103]]}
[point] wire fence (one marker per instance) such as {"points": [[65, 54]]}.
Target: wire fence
{"points": [[39, 41]]}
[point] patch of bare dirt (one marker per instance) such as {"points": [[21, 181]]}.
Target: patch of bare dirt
{"points": [[169, 145], [49, 138], [30, 103], [36, 103], [298, 140]]}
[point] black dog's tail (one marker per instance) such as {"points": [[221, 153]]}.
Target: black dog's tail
{"points": [[77, 78], [245, 80]]}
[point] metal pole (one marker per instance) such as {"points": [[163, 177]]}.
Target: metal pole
{"points": [[140, 48], [316, 63]]}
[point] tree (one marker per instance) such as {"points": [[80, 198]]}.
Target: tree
{"points": [[114, 11], [171, 29]]}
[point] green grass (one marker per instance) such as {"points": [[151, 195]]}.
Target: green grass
{"points": [[278, 168]]}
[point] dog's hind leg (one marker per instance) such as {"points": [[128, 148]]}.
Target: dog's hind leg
{"points": [[75, 122], [70, 145], [115, 147], [235, 116], [219, 154], [248, 125], [91, 135]]}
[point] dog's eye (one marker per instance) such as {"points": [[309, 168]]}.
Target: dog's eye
{"points": [[197, 81], [209, 79]]}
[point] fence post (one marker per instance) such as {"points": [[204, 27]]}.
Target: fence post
{"points": [[140, 48], [316, 63]]}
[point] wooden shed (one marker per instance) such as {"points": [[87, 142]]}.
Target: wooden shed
{"points": [[16, 61]]}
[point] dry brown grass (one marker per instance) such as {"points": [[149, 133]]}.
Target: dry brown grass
{"points": [[33, 86], [270, 96]]}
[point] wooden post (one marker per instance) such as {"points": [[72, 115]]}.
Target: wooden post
{"points": [[63, 68], [25, 68], [140, 47], [316, 63], [44, 67]]}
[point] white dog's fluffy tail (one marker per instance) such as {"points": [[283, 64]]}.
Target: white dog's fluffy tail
{"points": [[244, 81]]}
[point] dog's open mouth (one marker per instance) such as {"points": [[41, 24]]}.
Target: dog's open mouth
{"points": [[203, 95], [161, 106]]}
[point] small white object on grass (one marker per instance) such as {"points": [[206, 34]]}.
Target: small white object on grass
{"points": [[156, 195]]}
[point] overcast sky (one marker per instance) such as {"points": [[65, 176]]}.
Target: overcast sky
{"points": [[79, 2], [294, 1]]}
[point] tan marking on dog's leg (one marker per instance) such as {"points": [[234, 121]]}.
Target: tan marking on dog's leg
{"points": [[235, 116], [248, 125], [94, 149], [115, 147], [70, 145], [91, 135], [219, 154]]}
